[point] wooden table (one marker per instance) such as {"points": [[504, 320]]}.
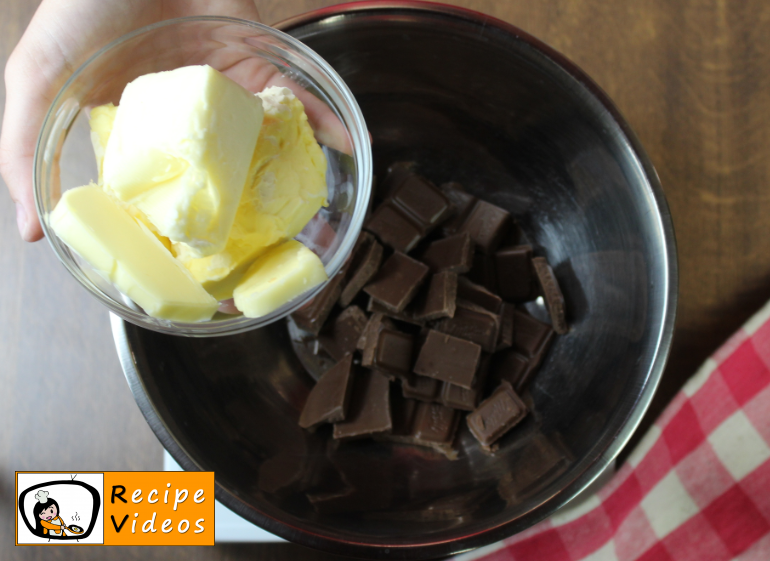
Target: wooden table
{"points": [[692, 77]]}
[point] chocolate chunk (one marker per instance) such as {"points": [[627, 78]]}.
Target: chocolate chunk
{"points": [[434, 426], [439, 301], [366, 260], [530, 336], [369, 410], [463, 204], [496, 415], [343, 335], [507, 325], [483, 272], [397, 281], [405, 316], [514, 273], [472, 323], [377, 322], [393, 228], [392, 353], [421, 388], [512, 367], [554, 300], [312, 316], [413, 210], [397, 173], [462, 398], [487, 224], [449, 359], [471, 292], [453, 254], [329, 398]]}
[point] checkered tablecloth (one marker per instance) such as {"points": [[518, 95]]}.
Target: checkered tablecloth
{"points": [[696, 488]]}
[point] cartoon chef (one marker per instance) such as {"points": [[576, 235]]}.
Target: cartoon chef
{"points": [[47, 519]]}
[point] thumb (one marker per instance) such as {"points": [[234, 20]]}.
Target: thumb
{"points": [[25, 109]]}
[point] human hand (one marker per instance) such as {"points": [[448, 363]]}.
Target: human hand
{"points": [[63, 35]]}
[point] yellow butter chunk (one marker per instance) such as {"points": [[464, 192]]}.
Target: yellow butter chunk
{"points": [[101, 121], [180, 150], [277, 277], [287, 187], [128, 255]]}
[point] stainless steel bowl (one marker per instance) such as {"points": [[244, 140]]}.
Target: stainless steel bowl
{"points": [[475, 100]]}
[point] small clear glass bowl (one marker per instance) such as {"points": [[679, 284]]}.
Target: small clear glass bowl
{"points": [[64, 158]]}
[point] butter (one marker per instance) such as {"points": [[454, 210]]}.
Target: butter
{"points": [[180, 149], [129, 256], [278, 276], [286, 188]]}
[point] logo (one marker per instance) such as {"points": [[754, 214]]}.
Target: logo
{"points": [[60, 508]]}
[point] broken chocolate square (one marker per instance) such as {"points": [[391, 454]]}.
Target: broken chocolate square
{"points": [[554, 300], [345, 331], [453, 254], [448, 359], [487, 224], [366, 260], [477, 294], [369, 410], [329, 398], [397, 281], [439, 301], [312, 316], [496, 415], [472, 323], [421, 388]]}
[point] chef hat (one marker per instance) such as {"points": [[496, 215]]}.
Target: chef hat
{"points": [[42, 496]]}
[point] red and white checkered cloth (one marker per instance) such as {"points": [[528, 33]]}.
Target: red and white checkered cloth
{"points": [[696, 488]]}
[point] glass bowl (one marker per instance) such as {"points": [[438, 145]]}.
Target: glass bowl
{"points": [[246, 51]]}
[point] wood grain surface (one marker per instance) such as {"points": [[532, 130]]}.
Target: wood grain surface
{"points": [[692, 77]]}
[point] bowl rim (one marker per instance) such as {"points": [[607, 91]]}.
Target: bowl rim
{"points": [[430, 549], [236, 324]]}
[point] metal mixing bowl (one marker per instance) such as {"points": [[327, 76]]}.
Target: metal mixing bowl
{"points": [[477, 101]]}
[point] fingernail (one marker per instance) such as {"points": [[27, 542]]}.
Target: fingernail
{"points": [[21, 219]]}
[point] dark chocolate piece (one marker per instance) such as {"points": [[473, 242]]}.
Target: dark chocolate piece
{"points": [[413, 210], [449, 359], [507, 325], [312, 316], [434, 426], [471, 292], [369, 410], [512, 367], [377, 322], [514, 273], [472, 323], [530, 336], [397, 281], [366, 261], [405, 315], [343, 335], [496, 415], [487, 224], [462, 398], [392, 353], [440, 300], [453, 254], [463, 204], [393, 228], [421, 388], [483, 272], [397, 173], [554, 300], [329, 398]]}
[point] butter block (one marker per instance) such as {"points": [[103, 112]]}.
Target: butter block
{"points": [[277, 277], [128, 255], [286, 188], [101, 121], [180, 150]]}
